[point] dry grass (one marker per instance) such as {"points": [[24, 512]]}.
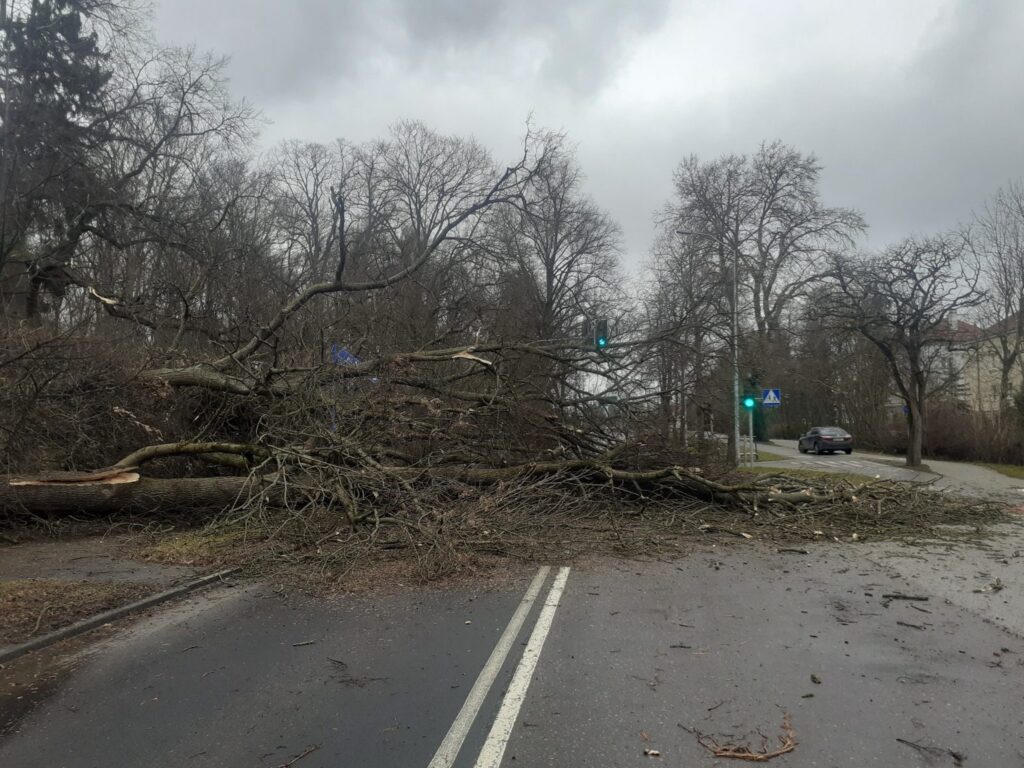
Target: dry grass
{"points": [[209, 545], [31, 607]]}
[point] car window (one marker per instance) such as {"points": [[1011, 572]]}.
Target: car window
{"points": [[833, 431]]}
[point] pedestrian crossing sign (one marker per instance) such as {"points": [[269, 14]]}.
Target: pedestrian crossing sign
{"points": [[771, 398]]}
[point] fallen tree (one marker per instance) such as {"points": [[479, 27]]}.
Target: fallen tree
{"points": [[535, 449], [336, 502], [452, 423]]}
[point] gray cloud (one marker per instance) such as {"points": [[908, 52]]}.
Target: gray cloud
{"points": [[290, 51], [914, 107]]}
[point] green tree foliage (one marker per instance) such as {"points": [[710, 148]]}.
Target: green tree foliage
{"points": [[54, 76]]}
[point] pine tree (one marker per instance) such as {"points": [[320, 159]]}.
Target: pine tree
{"points": [[53, 83]]}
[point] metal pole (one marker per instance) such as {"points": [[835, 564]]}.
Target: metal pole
{"points": [[735, 353], [750, 431]]}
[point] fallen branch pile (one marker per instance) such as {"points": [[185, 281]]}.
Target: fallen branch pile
{"points": [[337, 503], [451, 456]]}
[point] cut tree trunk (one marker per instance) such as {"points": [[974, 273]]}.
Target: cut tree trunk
{"points": [[141, 494]]}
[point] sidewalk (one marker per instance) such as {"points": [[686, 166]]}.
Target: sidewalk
{"points": [[966, 478], [961, 478]]}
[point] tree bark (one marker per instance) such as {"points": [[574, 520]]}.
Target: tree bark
{"points": [[915, 433], [143, 495]]}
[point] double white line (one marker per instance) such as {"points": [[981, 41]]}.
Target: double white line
{"points": [[494, 748]]}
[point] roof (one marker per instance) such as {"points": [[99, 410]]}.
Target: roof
{"points": [[958, 331], [1006, 325]]}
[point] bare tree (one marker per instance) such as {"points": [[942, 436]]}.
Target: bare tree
{"points": [[996, 236], [792, 233], [763, 219], [902, 301], [714, 202], [684, 305], [564, 245], [306, 176]]}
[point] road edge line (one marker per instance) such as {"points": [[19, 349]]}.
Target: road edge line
{"points": [[456, 736], [501, 731], [107, 616]]}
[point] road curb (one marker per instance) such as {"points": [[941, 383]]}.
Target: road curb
{"points": [[107, 616]]}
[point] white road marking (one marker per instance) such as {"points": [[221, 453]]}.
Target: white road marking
{"points": [[494, 748], [834, 463], [449, 749]]}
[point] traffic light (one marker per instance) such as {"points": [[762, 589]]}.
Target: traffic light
{"points": [[601, 333], [749, 402]]}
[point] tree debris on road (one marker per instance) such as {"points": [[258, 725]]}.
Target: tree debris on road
{"points": [[890, 596], [933, 752], [336, 501], [787, 743], [307, 751]]}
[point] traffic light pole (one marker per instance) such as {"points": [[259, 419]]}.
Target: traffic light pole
{"points": [[750, 431], [735, 357]]}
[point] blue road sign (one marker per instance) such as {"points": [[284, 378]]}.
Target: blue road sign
{"points": [[341, 356], [771, 398]]}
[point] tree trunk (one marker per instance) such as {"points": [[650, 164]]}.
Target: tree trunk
{"points": [[143, 495], [918, 391], [1005, 400], [915, 432]]}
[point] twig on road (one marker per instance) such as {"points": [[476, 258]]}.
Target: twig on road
{"points": [[958, 757], [294, 760], [787, 743], [39, 619], [888, 598], [912, 626]]}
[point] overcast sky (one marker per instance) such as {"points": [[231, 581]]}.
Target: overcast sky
{"points": [[915, 108]]}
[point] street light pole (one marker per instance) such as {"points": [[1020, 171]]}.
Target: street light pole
{"points": [[752, 457]]}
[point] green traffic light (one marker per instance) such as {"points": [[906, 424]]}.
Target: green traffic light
{"points": [[749, 402], [602, 341]]}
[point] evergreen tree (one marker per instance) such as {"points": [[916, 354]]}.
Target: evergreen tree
{"points": [[53, 82]]}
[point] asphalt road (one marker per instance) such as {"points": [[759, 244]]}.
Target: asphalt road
{"points": [[726, 641]]}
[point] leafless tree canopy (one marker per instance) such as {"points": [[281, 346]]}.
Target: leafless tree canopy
{"points": [[996, 239], [903, 302]]}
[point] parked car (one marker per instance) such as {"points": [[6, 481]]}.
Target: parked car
{"points": [[826, 440]]}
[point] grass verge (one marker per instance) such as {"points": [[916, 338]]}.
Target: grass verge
{"points": [[208, 545], [32, 607]]}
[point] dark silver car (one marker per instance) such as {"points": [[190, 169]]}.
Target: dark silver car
{"points": [[826, 440]]}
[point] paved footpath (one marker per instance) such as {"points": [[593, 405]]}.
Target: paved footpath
{"points": [[949, 476]]}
